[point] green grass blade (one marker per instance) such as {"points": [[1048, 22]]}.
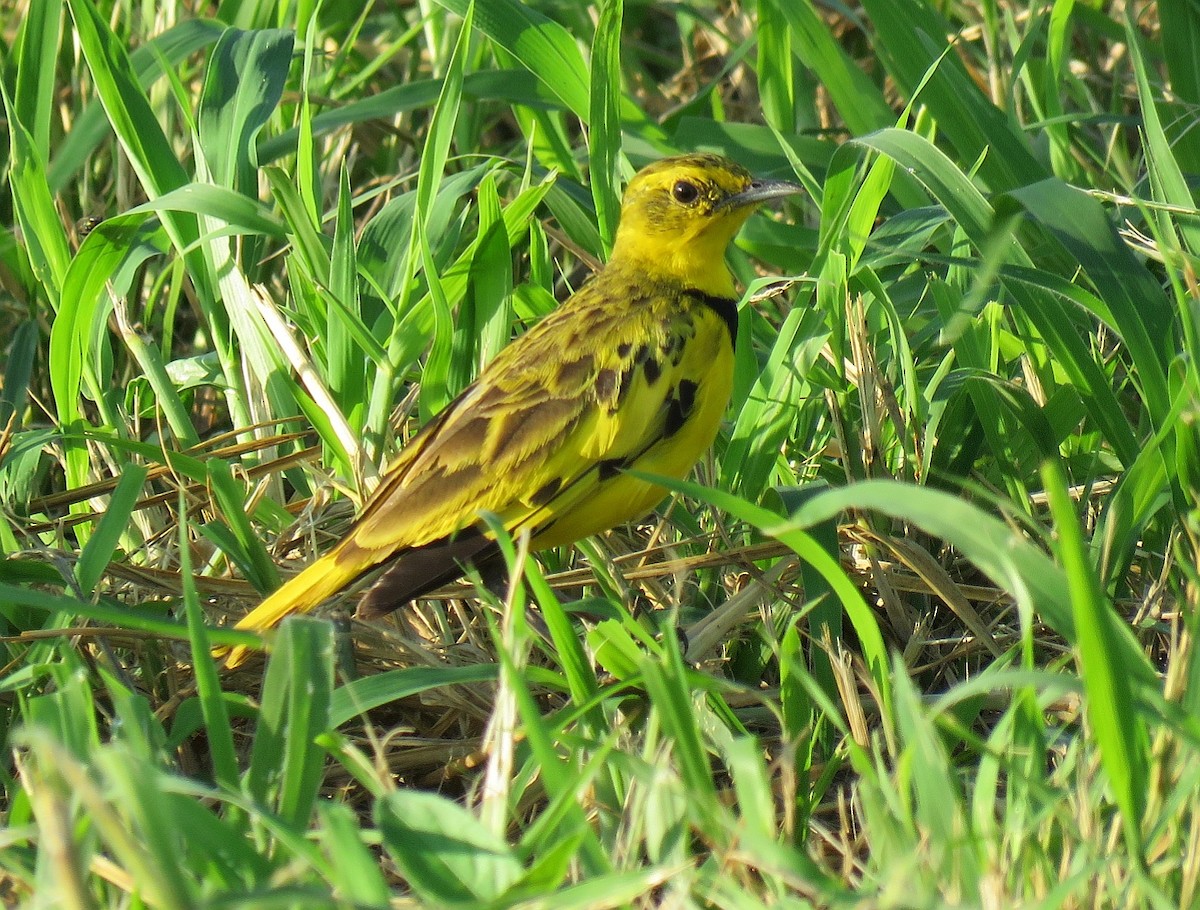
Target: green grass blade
{"points": [[35, 53], [286, 759], [667, 685], [157, 851], [436, 382], [91, 126], [101, 547], [356, 872], [240, 214], [446, 855], [433, 165], [128, 110], [569, 652], [208, 683], [858, 100], [604, 120], [243, 85], [792, 534], [361, 695], [14, 385], [41, 227], [245, 543], [511, 86], [1179, 32], [775, 66], [344, 365], [765, 417], [908, 39], [1134, 297], [539, 43], [114, 244], [491, 285], [1106, 667], [975, 215]]}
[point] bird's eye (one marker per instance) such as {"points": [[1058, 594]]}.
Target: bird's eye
{"points": [[685, 192]]}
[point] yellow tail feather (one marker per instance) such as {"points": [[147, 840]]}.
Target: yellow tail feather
{"points": [[301, 594]]}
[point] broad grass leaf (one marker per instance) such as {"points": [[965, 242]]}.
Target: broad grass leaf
{"points": [[243, 84], [539, 43], [446, 855], [286, 763]]}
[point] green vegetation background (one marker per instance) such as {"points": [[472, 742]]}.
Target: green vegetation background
{"points": [[938, 580]]}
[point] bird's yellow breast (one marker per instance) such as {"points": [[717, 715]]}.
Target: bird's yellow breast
{"points": [[660, 422]]}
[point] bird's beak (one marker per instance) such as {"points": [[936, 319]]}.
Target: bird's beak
{"points": [[759, 191]]}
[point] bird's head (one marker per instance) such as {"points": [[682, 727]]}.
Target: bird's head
{"points": [[679, 215]]}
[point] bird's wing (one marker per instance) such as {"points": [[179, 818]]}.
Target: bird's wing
{"points": [[619, 378], [570, 393], [587, 391]]}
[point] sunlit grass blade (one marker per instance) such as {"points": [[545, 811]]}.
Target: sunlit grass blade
{"points": [[45, 240], [604, 119], [239, 214], [100, 781], [446, 855], [114, 524], [859, 101], [538, 42], [344, 366], [1167, 180], [666, 683], [103, 613], [907, 38], [490, 300], [356, 871], [113, 249], [998, 550], [766, 415], [560, 776], [208, 685], [512, 86], [791, 533], [1134, 299], [286, 762], [243, 84], [361, 695], [975, 215], [429, 177], [1179, 33], [129, 112], [90, 127], [34, 52], [230, 497], [1106, 667]]}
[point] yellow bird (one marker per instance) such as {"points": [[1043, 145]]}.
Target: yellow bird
{"points": [[634, 371]]}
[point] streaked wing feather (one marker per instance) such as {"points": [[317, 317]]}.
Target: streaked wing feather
{"points": [[486, 448], [629, 428], [548, 429]]}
